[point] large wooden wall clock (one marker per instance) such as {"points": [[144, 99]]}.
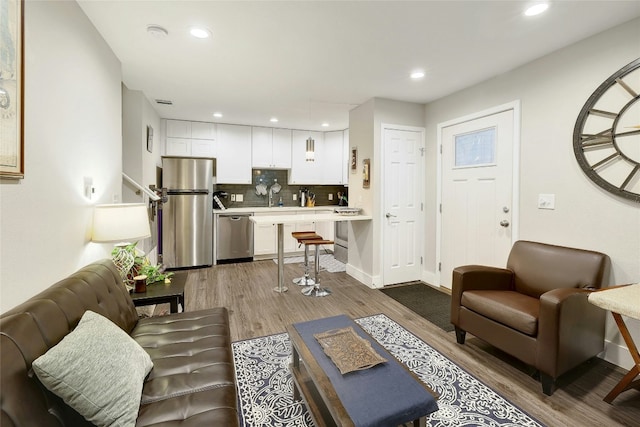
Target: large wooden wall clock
{"points": [[606, 138]]}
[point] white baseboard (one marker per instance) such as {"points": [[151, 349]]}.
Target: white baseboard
{"points": [[430, 277], [617, 354], [374, 282], [362, 277]]}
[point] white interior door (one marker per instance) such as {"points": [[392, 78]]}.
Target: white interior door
{"points": [[403, 208], [476, 212]]}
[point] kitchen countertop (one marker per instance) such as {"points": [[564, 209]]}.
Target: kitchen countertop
{"points": [[275, 209], [318, 217]]}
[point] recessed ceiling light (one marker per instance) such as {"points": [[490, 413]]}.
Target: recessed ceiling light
{"points": [[156, 31], [536, 9], [201, 33], [218, 115], [274, 120], [417, 74], [326, 125]]}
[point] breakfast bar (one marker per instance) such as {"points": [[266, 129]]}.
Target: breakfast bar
{"points": [[280, 220]]}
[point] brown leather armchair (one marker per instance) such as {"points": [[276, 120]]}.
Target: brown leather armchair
{"points": [[536, 309]]}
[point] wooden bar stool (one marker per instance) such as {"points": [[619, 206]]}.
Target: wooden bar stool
{"points": [[315, 290], [301, 236]]}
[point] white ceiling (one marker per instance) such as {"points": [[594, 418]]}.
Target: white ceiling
{"points": [[308, 62]]}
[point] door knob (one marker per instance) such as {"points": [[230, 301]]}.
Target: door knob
{"points": [[390, 215], [504, 223]]}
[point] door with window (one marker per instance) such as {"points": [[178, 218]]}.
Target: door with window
{"points": [[476, 212]]}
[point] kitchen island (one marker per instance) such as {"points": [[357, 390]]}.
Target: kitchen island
{"points": [[280, 220]]}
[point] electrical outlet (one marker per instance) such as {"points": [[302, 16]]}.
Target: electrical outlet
{"points": [[546, 201], [233, 197], [330, 196], [295, 197], [239, 198]]}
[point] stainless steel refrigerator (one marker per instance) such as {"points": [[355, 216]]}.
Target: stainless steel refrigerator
{"points": [[187, 215]]}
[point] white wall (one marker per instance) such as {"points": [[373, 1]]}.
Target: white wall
{"points": [[72, 130], [138, 163], [365, 133], [552, 90]]}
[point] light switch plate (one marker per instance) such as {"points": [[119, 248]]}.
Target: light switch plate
{"points": [[546, 201], [239, 198], [330, 196], [233, 197]]}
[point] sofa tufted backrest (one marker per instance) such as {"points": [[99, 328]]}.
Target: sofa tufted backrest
{"points": [[539, 267], [33, 327]]}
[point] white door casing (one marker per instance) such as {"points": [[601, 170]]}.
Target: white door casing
{"points": [[477, 190], [403, 209]]}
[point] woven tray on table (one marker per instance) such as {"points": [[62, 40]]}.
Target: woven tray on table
{"points": [[348, 351]]}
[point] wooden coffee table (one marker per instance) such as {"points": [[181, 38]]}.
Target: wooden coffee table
{"points": [[386, 394], [162, 293]]}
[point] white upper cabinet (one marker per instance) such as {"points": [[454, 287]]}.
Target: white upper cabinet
{"points": [[282, 148], [190, 139], [233, 165], [271, 148], [203, 148], [203, 130], [178, 147], [178, 129], [333, 162], [304, 172]]}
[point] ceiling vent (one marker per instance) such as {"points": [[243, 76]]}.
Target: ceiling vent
{"points": [[164, 102]]}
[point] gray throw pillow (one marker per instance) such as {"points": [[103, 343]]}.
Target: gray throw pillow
{"points": [[98, 370]]}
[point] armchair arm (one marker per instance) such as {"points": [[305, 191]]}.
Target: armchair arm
{"points": [[570, 330], [477, 277]]}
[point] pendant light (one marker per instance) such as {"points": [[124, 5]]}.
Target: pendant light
{"points": [[310, 152]]}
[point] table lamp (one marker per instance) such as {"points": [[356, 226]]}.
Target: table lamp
{"points": [[121, 223]]}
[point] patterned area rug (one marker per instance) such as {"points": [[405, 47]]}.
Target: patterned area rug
{"points": [[265, 386], [327, 262]]}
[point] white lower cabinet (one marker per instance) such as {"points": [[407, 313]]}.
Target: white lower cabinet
{"points": [[264, 239], [265, 236]]}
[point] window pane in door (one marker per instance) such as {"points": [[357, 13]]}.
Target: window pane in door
{"points": [[476, 148]]}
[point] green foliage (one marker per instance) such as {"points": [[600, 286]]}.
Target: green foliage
{"points": [[142, 265], [154, 273]]}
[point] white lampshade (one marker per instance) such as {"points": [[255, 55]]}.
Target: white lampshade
{"points": [[120, 222]]}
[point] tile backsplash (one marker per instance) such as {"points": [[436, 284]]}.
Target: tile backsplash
{"points": [[269, 177]]}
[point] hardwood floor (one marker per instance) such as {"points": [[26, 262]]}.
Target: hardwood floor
{"points": [[255, 309]]}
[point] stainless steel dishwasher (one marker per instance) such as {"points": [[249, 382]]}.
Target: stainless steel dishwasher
{"points": [[234, 238]]}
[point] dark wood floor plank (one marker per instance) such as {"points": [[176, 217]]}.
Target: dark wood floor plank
{"points": [[246, 289]]}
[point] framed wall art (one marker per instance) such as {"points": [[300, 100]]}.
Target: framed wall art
{"points": [[366, 173], [11, 90], [354, 159], [149, 139]]}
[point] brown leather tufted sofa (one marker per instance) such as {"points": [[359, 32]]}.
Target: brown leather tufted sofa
{"points": [[536, 309], [192, 382]]}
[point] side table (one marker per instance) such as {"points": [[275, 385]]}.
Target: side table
{"points": [[622, 300], [162, 293]]}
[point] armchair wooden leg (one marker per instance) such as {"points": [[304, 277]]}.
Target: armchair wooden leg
{"points": [[460, 335], [548, 384]]}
